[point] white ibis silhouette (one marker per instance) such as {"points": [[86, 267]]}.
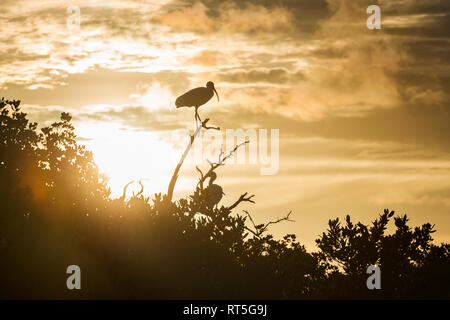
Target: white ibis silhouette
{"points": [[197, 97], [213, 192]]}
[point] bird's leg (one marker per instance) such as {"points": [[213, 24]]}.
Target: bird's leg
{"points": [[197, 116], [202, 124]]}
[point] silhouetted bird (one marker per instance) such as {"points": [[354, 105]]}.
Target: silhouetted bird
{"points": [[197, 97], [213, 193]]}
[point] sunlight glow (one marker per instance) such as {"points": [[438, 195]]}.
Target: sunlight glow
{"points": [[156, 97], [125, 155]]}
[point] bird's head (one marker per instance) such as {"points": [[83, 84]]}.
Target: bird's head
{"points": [[210, 85]]}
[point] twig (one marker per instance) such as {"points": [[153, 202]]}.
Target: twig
{"points": [[124, 193], [286, 218], [221, 162], [207, 128], [142, 189], [260, 229], [242, 198], [200, 182]]}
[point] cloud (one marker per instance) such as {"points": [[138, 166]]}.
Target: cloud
{"points": [[428, 195], [258, 15], [231, 18], [340, 70], [98, 86], [357, 82], [206, 58], [189, 19], [133, 117], [255, 19], [414, 7], [156, 97], [413, 126], [278, 75]]}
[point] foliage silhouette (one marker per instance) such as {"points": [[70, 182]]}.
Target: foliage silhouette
{"points": [[56, 210], [412, 267]]}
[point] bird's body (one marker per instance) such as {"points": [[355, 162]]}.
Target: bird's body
{"points": [[194, 98], [213, 193], [197, 97]]}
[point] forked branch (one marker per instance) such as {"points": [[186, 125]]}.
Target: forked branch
{"points": [[174, 178], [242, 198], [124, 193], [259, 229], [219, 163]]}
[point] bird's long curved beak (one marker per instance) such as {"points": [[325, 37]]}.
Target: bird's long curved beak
{"points": [[216, 94]]}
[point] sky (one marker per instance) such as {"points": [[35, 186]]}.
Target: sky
{"points": [[363, 115]]}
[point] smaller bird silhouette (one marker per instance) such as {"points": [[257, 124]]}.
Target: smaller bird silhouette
{"points": [[213, 193], [197, 97]]}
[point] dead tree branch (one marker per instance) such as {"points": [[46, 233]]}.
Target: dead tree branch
{"points": [[242, 198], [259, 229], [174, 178], [204, 126], [140, 191], [124, 193], [221, 162]]}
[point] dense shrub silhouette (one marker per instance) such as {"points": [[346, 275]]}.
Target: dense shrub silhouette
{"points": [[56, 210], [412, 267]]}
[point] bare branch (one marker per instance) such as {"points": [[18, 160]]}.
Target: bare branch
{"points": [[260, 229], [230, 154], [200, 182], [251, 219], [248, 229], [142, 189], [221, 162], [200, 171], [174, 178], [253, 223], [242, 198], [125, 189], [206, 127], [286, 218]]}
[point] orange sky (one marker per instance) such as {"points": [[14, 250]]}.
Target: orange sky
{"points": [[363, 114]]}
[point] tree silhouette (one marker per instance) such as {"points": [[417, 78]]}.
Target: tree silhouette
{"points": [[56, 210], [408, 260]]}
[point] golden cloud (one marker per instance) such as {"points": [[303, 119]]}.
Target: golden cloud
{"points": [[231, 18], [206, 58], [360, 80], [255, 19], [189, 19]]}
